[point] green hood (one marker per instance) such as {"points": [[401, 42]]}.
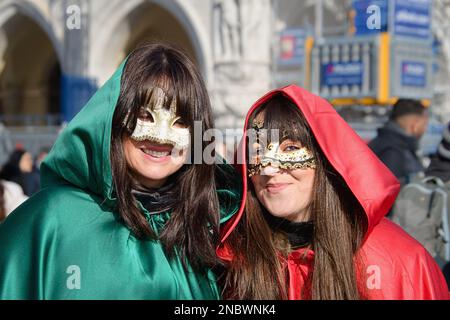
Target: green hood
{"points": [[74, 158], [80, 156]]}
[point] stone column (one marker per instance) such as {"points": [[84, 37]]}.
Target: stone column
{"points": [[76, 36], [77, 87], [441, 30], [242, 40]]}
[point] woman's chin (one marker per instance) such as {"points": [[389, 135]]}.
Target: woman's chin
{"points": [[152, 182], [293, 214]]}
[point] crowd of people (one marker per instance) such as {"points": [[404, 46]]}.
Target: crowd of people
{"points": [[300, 215], [19, 179]]}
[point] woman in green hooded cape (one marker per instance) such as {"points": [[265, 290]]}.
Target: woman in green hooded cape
{"points": [[122, 214]]}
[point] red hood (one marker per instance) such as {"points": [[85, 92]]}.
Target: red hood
{"points": [[368, 178]]}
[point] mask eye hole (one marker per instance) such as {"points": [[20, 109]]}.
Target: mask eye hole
{"points": [[180, 123], [145, 115], [290, 145]]}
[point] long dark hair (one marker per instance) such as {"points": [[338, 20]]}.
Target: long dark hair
{"points": [[192, 229], [257, 272]]}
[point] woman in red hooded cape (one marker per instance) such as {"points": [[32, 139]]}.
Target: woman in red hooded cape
{"points": [[312, 224]]}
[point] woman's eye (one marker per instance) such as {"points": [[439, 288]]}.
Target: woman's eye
{"points": [[291, 148], [289, 145], [146, 116], [180, 124]]}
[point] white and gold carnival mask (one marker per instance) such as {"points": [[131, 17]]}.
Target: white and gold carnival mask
{"points": [[271, 158], [162, 129]]}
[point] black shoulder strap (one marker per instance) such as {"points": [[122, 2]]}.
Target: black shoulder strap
{"points": [[430, 203]]}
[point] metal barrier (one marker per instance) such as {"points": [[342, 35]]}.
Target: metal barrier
{"points": [[31, 120], [33, 139]]}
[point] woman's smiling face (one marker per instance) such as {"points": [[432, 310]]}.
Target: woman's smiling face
{"points": [[151, 163], [282, 168], [285, 193]]}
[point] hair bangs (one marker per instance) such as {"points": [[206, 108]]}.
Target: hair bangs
{"points": [[283, 120], [174, 79]]}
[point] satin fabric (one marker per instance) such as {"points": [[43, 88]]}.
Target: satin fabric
{"points": [[66, 242], [392, 264]]}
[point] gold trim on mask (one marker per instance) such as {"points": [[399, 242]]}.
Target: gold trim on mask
{"points": [[257, 124], [273, 156], [162, 129], [289, 160]]}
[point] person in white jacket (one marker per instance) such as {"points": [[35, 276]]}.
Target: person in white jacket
{"points": [[11, 196]]}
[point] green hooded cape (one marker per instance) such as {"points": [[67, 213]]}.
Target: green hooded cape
{"points": [[65, 242]]}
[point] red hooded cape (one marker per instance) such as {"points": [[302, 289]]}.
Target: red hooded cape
{"points": [[395, 266]]}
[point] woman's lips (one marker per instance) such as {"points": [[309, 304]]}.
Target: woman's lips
{"points": [[157, 153], [276, 187], [157, 147]]}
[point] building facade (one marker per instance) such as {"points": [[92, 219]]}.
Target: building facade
{"points": [[55, 53]]}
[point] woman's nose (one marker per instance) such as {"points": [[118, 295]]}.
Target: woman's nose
{"points": [[270, 171]]}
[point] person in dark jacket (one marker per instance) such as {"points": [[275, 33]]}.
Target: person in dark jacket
{"points": [[397, 141]]}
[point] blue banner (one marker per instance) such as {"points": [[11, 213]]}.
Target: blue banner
{"points": [[342, 73], [414, 74], [75, 93], [371, 16], [292, 47], [412, 18]]}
